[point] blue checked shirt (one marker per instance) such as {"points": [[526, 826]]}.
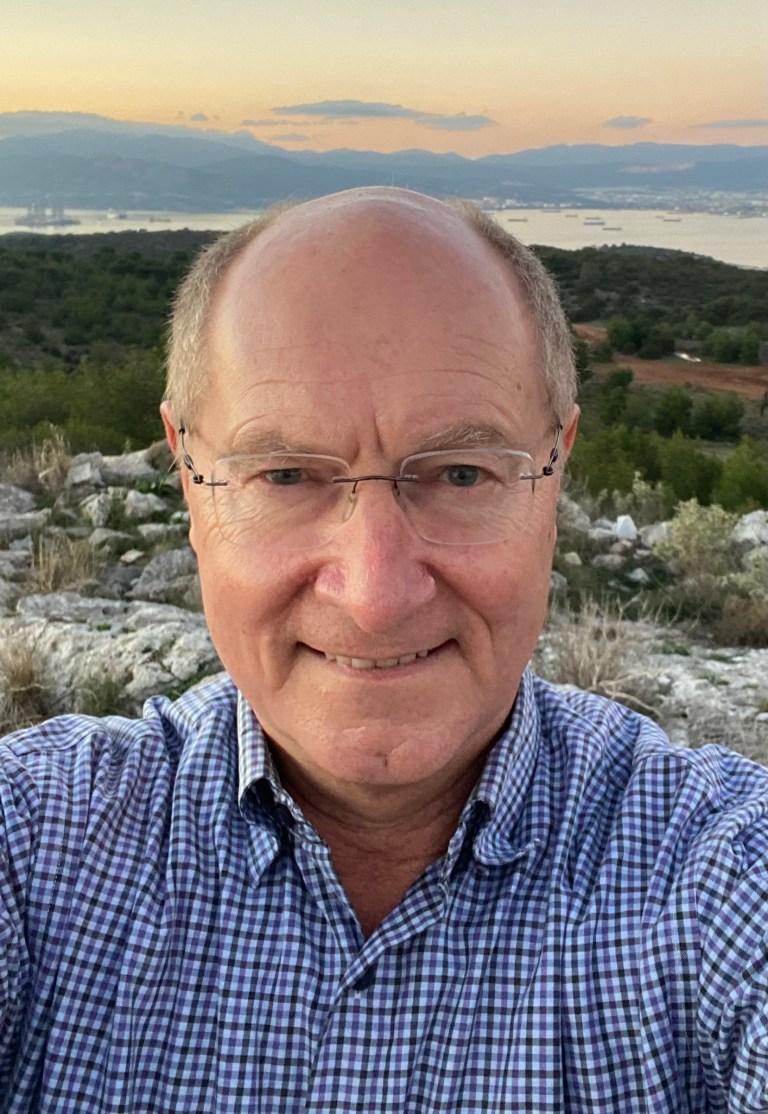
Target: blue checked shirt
{"points": [[174, 937]]}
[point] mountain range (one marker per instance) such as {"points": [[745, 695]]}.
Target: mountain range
{"points": [[83, 160]]}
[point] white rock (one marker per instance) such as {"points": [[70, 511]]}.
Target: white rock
{"points": [[128, 469], [612, 561], [624, 527], [97, 508], [154, 532], [85, 468], [654, 533], [15, 500], [639, 576], [752, 529], [22, 525], [572, 558], [600, 534], [570, 515], [69, 607], [140, 505], [557, 582], [104, 539], [131, 556], [169, 577]]}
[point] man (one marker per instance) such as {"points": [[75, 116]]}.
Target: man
{"points": [[380, 867]]}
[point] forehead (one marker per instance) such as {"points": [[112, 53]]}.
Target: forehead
{"points": [[331, 307]]}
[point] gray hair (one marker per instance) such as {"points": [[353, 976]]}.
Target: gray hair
{"points": [[190, 319]]}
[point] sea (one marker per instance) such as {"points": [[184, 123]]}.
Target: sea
{"points": [[742, 240]]}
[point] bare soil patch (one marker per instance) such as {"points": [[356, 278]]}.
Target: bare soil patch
{"points": [[750, 382]]}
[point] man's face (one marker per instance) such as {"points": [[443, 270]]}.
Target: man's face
{"points": [[360, 335]]}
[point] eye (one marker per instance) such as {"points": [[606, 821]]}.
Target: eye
{"points": [[463, 475], [283, 477]]}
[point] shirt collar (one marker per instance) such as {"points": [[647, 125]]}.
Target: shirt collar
{"points": [[500, 795]]}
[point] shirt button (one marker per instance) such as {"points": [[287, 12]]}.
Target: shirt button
{"points": [[366, 980]]}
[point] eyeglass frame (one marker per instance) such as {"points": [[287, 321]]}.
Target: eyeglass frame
{"points": [[199, 479]]}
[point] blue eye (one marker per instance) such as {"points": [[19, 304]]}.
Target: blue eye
{"points": [[462, 475], [284, 477]]}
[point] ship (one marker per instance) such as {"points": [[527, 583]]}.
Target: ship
{"points": [[40, 216]]}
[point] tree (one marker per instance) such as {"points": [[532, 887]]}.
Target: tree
{"points": [[718, 418], [673, 411]]}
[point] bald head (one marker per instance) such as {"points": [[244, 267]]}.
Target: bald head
{"points": [[398, 237]]}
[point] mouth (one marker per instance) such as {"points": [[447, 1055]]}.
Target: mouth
{"points": [[379, 663]]}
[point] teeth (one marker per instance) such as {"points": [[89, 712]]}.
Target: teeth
{"points": [[370, 663]]}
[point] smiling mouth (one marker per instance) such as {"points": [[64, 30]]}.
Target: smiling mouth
{"points": [[376, 663]]}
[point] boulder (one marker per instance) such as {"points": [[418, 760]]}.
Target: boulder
{"points": [[170, 577], [752, 529], [624, 528], [85, 471], [653, 533], [611, 561], [570, 516], [13, 526], [97, 508], [141, 505], [128, 469], [15, 500]]}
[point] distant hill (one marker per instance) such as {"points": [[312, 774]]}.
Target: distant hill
{"points": [[86, 161]]}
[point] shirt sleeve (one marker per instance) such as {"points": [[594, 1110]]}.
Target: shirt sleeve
{"points": [[733, 990], [18, 807]]}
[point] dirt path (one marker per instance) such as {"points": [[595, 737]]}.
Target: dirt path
{"points": [[751, 382]]}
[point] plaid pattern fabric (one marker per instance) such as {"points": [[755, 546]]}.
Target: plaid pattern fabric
{"points": [[174, 938]]}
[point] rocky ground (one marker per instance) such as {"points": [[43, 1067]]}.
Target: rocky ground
{"points": [[100, 607]]}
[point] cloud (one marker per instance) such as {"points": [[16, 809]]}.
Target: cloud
{"points": [[199, 118], [733, 124], [280, 123], [627, 122], [336, 110], [291, 137]]}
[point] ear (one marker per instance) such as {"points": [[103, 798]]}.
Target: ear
{"points": [[171, 432], [172, 437], [569, 433]]}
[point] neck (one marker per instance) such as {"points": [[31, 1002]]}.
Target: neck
{"points": [[381, 838]]}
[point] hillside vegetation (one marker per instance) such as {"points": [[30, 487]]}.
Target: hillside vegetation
{"points": [[83, 318]]}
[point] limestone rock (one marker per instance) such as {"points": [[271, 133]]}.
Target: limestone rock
{"points": [[128, 469], [624, 527], [570, 515], [752, 529], [97, 508], [85, 470], [611, 561], [22, 525], [168, 578], [15, 500], [141, 505]]}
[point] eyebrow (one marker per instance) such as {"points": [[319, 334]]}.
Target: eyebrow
{"points": [[268, 441], [466, 435]]}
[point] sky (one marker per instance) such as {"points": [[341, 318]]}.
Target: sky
{"points": [[473, 76]]}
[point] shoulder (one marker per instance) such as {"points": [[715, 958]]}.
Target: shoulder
{"points": [[58, 773], [651, 798]]}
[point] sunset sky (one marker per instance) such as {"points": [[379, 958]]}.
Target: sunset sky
{"points": [[472, 76]]}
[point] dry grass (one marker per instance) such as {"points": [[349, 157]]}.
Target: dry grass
{"points": [[24, 467], [596, 650], [25, 695], [61, 564], [743, 622]]}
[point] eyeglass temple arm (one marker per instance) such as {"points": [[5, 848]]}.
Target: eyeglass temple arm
{"points": [[549, 467], [197, 477]]}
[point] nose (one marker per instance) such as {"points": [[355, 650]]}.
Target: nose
{"points": [[376, 568]]}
